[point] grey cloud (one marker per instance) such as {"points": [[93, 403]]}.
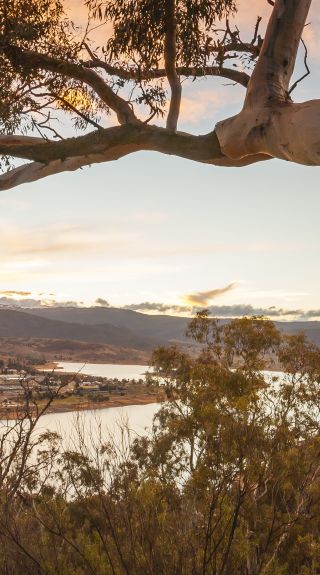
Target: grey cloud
{"points": [[222, 311], [158, 307], [248, 310], [311, 313], [225, 311], [102, 302], [70, 303], [24, 303], [29, 303]]}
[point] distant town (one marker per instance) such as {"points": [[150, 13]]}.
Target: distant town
{"points": [[21, 381]]}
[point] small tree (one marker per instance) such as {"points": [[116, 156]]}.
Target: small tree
{"points": [[47, 68]]}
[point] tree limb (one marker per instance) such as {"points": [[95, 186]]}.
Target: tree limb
{"points": [[170, 55], [235, 45], [271, 76], [269, 121], [305, 60], [187, 71], [53, 157], [75, 110], [35, 60]]}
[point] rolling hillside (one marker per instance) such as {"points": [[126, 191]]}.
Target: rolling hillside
{"points": [[102, 334], [19, 324], [157, 328]]}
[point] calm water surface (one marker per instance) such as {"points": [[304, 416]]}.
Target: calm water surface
{"points": [[111, 370], [137, 417]]}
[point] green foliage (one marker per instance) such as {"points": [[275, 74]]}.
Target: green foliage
{"points": [[31, 25], [139, 28], [31, 95]]}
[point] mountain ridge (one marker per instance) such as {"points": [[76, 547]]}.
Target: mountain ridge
{"points": [[15, 323], [113, 326]]}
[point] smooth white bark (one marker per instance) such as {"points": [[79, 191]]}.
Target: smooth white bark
{"points": [[285, 131]]}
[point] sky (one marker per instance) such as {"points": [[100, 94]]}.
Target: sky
{"points": [[153, 229]]}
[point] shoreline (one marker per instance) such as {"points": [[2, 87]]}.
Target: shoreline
{"points": [[138, 395], [60, 406]]}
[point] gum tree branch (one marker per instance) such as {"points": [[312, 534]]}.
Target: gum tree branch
{"points": [[70, 106], [267, 126], [186, 71], [170, 56], [36, 61], [50, 157], [305, 60], [273, 71], [269, 121]]}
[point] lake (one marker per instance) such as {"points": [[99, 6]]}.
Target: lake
{"points": [[138, 417], [111, 370]]}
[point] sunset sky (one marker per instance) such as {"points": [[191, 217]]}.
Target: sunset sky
{"points": [[151, 228]]}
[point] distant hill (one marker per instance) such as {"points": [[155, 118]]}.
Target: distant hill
{"points": [[159, 328], [310, 328], [116, 327], [53, 350], [19, 324]]}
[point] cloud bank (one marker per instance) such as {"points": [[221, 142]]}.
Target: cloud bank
{"points": [[219, 311], [33, 303], [229, 311], [161, 308]]}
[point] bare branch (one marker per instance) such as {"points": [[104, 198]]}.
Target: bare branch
{"points": [[187, 71], [75, 110], [293, 87], [10, 143], [256, 30]]}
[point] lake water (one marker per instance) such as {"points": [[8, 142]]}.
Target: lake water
{"points": [[110, 370], [137, 417]]}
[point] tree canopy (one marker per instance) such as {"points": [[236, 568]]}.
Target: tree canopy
{"points": [[50, 68]]}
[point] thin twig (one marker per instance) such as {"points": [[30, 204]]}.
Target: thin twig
{"points": [[306, 66]]}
